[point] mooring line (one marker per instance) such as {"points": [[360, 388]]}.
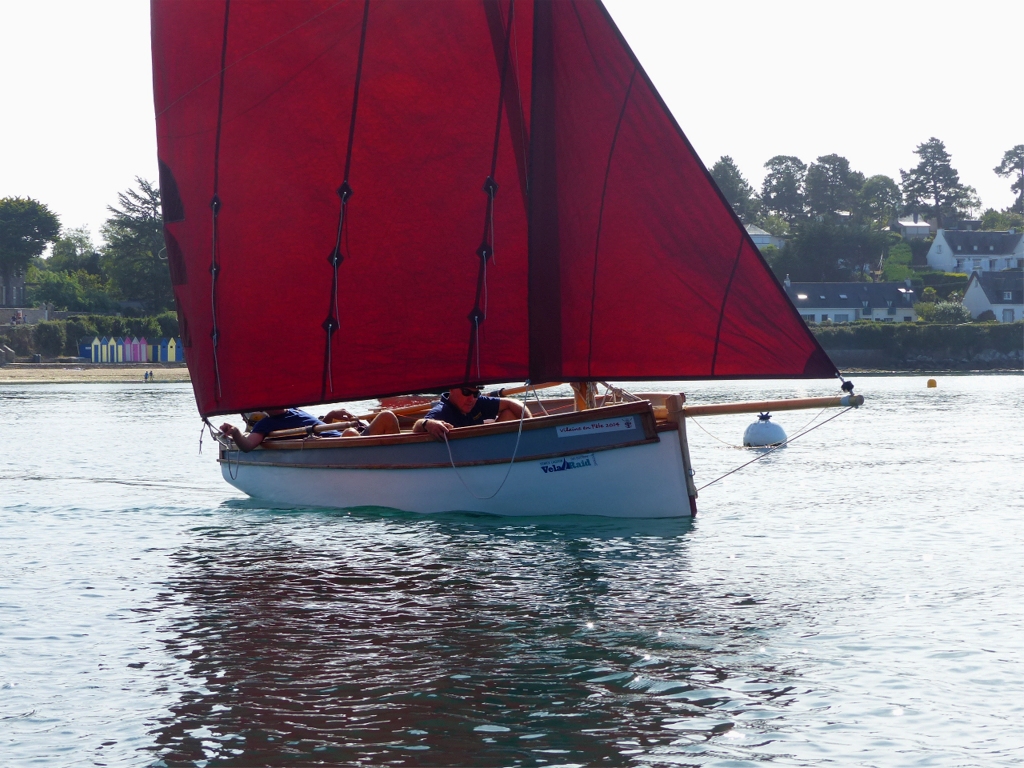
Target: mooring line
{"points": [[775, 448]]}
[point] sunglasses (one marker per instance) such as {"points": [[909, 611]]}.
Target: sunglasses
{"points": [[469, 392]]}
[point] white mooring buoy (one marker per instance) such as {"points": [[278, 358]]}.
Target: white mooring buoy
{"points": [[763, 433]]}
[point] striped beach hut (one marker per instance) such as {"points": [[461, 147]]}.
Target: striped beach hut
{"points": [[143, 350], [126, 349]]}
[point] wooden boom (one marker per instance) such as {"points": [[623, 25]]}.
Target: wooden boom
{"points": [[757, 406]]}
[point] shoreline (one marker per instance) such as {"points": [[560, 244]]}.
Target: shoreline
{"points": [[132, 373], [92, 373]]}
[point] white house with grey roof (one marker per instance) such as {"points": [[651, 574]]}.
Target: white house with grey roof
{"points": [[1002, 293], [914, 228], [763, 239], [846, 302], [956, 250]]}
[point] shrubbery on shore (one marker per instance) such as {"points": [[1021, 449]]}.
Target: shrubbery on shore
{"points": [[905, 339], [55, 338]]}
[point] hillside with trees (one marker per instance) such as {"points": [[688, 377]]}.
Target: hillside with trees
{"points": [[840, 225]]}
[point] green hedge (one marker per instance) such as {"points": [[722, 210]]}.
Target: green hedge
{"points": [[922, 338], [60, 337]]}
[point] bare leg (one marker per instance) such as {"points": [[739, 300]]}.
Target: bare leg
{"points": [[384, 423]]}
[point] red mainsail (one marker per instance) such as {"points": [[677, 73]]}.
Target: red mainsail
{"points": [[371, 197]]}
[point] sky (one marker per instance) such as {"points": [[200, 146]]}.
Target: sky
{"points": [[867, 80]]}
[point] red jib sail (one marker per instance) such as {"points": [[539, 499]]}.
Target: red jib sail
{"points": [[370, 197]]}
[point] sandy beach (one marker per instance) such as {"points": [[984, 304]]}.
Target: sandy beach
{"points": [[71, 373]]}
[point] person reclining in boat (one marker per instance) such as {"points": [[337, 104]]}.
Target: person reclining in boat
{"points": [[384, 423], [466, 407]]}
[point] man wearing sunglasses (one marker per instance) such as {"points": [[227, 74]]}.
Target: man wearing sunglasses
{"points": [[466, 407]]}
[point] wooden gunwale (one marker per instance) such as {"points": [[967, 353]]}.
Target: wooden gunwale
{"points": [[439, 465], [641, 408]]}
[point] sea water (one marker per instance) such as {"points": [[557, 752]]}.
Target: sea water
{"points": [[855, 598]]}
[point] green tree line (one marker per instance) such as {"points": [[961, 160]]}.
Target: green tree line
{"points": [[125, 273], [836, 220]]}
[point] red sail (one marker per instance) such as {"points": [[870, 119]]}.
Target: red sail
{"points": [[367, 198]]}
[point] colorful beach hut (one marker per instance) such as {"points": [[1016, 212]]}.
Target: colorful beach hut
{"points": [[89, 348], [143, 355]]}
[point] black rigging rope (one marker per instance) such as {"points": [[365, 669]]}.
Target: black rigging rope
{"points": [[215, 201], [486, 250], [333, 321]]}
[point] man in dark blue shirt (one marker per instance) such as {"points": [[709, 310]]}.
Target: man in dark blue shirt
{"points": [[466, 407]]}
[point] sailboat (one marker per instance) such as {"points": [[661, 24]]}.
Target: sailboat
{"points": [[367, 198]]}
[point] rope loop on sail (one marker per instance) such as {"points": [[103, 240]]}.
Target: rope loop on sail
{"points": [[486, 250], [214, 273], [333, 323], [345, 192]]}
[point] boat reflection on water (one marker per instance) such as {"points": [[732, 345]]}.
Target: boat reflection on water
{"points": [[372, 637]]}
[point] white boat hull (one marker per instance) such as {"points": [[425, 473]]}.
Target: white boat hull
{"points": [[632, 480]]}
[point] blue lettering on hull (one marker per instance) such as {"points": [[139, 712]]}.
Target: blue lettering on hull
{"points": [[568, 462]]}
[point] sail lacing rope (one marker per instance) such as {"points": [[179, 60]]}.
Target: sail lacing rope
{"points": [[776, 447], [215, 201], [519, 434], [486, 250], [333, 321]]}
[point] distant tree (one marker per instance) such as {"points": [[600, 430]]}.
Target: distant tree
{"points": [[773, 225], [78, 291], [782, 193], [133, 256], [831, 186], [930, 295], [933, 187], [878, 201], [992, 219], [829, 252], [50, 338], [737, 191], [72, 251], [168, 322], [1013, 164], [26, 227]]}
